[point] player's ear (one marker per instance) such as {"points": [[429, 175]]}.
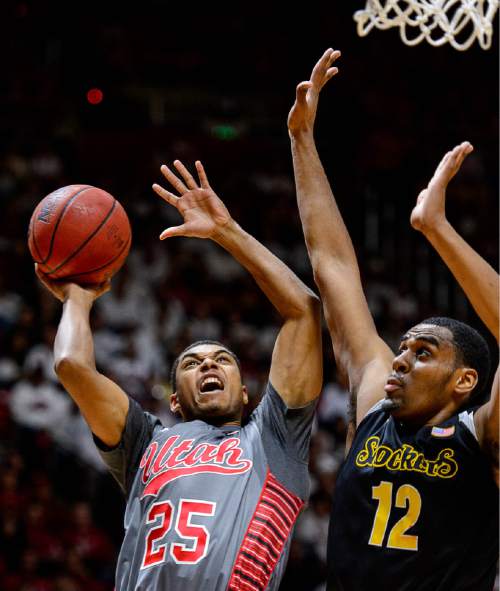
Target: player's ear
{"points": [[244, 394], [465, 381], [175, 405]]}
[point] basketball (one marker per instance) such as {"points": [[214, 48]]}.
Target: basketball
{"points": [[79, 233]]}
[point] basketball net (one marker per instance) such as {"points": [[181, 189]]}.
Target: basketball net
{"points": [[458, 22]]}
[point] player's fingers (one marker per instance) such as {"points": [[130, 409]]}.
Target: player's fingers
{"points": [[468, 147], [322, 64], [335, 56], [104, 287], [43, 278], [330, 73], [186, 175], [444, 162], [173, 179], [302, 89], [455, 155], [100, 288], [458, 155], [202, 175], [174, 231], [49, 285], [465, 149], [166, 195]]}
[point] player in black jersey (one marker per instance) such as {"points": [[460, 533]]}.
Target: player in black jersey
{"points": [[415, 504]]}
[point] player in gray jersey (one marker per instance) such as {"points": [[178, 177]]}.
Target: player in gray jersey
{"points": [[211, 504]]}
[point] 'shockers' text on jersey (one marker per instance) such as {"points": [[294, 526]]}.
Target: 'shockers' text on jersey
{"points": [[174, 459], [406, 458]]}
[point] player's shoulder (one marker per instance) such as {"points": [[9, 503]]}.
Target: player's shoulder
{"points": [[271, 405]]}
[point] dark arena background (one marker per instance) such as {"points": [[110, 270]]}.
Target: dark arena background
{"points": [[103, 94]]}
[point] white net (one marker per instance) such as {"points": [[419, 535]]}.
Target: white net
{"points": [[458, 22]]}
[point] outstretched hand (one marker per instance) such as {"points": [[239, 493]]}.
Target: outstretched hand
{"points": [[203, 212], [62, 290], [303, 113], [430, 208]]}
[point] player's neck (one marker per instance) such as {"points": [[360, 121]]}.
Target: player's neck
{"points": [[222, 422], [435, 418]]}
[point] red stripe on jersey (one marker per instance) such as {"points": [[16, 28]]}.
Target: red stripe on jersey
{"points": [[266, 535], [272, 516], [283, 504]]}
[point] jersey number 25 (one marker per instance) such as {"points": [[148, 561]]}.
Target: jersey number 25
{"points": [[162, 513]]}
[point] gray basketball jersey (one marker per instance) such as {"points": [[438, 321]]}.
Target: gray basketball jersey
{"points": [[209, 508]]}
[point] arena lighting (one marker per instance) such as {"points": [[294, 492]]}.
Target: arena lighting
{"points": [[224, 131], [95, 96]]}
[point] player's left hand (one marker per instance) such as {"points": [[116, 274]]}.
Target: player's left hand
{"points": [[303, 113], [430, 208], [204, 213]]}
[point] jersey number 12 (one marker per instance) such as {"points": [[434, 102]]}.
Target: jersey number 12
{"points": [[407, 497]]}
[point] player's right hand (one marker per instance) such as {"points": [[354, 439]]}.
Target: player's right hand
{"points": [[63, 290], [430, 208], [303, 113], [204, 213]]}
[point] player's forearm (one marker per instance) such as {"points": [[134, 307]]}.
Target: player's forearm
{"points": [[355, 339], [476, 277], [328, 241], [288, 294], [73, 344]]}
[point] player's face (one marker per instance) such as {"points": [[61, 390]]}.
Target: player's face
{"points": [[209, 386], [424, 376]]}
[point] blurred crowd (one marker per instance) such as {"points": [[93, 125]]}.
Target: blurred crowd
{"points": [[60, 513]]}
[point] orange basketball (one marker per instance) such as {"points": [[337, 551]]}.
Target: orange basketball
{"points": [[79, 233]]}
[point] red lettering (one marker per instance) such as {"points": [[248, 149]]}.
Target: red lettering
{"points": [[209, 454], [146, 460], [231, 449], [194, 456], [173, 460], [167, 464], [157, 466]]}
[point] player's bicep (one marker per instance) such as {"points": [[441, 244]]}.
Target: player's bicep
{"points": [[370, 389], [297, 363], [486, 421], [103, 404], [355, 339]]}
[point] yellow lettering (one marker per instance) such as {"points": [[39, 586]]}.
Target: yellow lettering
{"points": [[376, 455]]}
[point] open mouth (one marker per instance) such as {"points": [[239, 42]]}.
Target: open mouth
{"points": [[211, 384]]}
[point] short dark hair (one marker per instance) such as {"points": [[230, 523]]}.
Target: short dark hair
{"points": [[173, 379], [470, 347]]}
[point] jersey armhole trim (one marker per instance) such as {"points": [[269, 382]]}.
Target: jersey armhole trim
{"points": [[467, 418]]}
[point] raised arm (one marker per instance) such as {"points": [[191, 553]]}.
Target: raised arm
{"points": [[476, 277], [358, 349], [102, 403], [296, 369]]}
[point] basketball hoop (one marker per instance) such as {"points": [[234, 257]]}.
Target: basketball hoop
{"points": [[458, 22]]}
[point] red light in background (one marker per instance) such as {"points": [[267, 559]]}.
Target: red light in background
{"points": [[95, 96], [22, 10]]}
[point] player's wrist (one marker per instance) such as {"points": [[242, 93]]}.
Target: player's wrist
{"points": [[304, 133], [227, 233], [434, 227], [79, 296]]}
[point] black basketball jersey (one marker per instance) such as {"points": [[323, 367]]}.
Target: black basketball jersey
{"points": [[414, 510]]}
